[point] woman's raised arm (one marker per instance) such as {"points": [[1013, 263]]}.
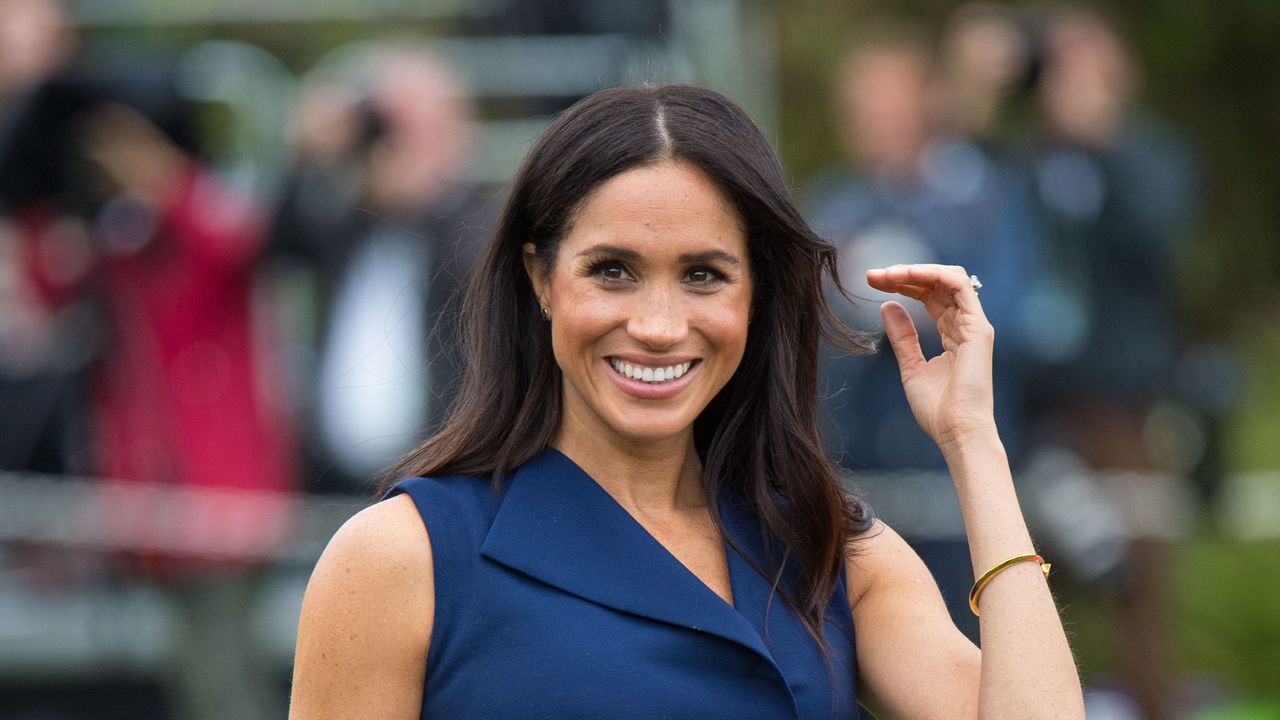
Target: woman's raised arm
{"points": [[1025, 668]]}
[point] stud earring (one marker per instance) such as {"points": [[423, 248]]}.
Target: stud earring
{"points": [[546, 314]]}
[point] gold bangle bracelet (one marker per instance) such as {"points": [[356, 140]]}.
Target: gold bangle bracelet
{"points": [[987, 576]]}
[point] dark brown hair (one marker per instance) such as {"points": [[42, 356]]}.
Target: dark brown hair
{"points": [[759, 437]]}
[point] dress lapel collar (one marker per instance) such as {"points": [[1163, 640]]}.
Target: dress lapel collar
{"points": [[753, 595], [792, 648], [559, 526]]}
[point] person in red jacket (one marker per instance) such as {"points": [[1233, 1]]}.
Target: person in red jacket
{"points": [[196, 462], [178, 392]]}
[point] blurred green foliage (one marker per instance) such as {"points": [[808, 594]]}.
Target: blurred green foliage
{"points": [[1253, 432], [1251, 711], [1228, 612], [1225, 615]]}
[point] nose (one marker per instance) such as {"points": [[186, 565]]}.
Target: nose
{"points": [[658, 320]]}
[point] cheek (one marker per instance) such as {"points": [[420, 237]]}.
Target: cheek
{"points": [[725, 325], [579, 317]]}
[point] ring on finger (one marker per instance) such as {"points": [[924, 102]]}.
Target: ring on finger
{"points": [[975, 283]]}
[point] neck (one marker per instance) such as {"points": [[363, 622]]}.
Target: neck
{"points": [[647, 478]]}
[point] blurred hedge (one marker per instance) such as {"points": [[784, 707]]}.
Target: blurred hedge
{"points": [[1229, 612]]}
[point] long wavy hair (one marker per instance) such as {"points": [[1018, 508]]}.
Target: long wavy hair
{"points": [[759, 436]]}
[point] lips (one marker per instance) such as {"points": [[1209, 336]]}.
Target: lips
{"points": [[650, 373], [664, 379]]}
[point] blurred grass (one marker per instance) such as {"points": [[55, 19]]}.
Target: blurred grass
{"points": [[1253, 437], [1228, 612], [1250, 711], [1225, 616]]}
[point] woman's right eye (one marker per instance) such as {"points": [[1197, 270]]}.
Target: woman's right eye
{"points": [[611, 271]]}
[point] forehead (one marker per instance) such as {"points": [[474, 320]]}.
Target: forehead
{"points": [[665, 207]]}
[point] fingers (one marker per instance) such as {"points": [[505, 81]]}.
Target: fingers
{"points": [[915, 292], [945, 284], [903, 338]]}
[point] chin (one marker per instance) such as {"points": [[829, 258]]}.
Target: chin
{"points": [[648, 427], [651, 430]]}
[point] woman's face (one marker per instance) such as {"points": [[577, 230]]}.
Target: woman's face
{"points": [[649, 299]]}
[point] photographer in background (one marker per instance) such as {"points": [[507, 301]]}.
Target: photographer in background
{"points": [[380, 215], [99, 169]]}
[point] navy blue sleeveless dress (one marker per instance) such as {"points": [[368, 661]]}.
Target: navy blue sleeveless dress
{"points": [[553, 602]]}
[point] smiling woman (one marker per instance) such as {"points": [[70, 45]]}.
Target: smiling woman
{"points": [[653, 281], [628, 513]]}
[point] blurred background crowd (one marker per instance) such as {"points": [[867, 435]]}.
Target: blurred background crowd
{"points": [[232, 235]]}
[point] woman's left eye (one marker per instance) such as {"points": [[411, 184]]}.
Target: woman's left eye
{"points": [[703, 276]]}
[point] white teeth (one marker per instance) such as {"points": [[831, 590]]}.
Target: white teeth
{"points": [[649, 374]]}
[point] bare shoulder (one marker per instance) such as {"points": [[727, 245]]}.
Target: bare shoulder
{"points": [[384, 549], [366, 618]]}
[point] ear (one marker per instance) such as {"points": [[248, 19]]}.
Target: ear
{"points": [[537, 273]]}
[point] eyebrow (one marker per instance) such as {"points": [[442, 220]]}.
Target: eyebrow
{"points": [[630, 254]]}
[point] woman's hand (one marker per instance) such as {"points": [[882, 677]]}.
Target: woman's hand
{"points": [[951, 394]]}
